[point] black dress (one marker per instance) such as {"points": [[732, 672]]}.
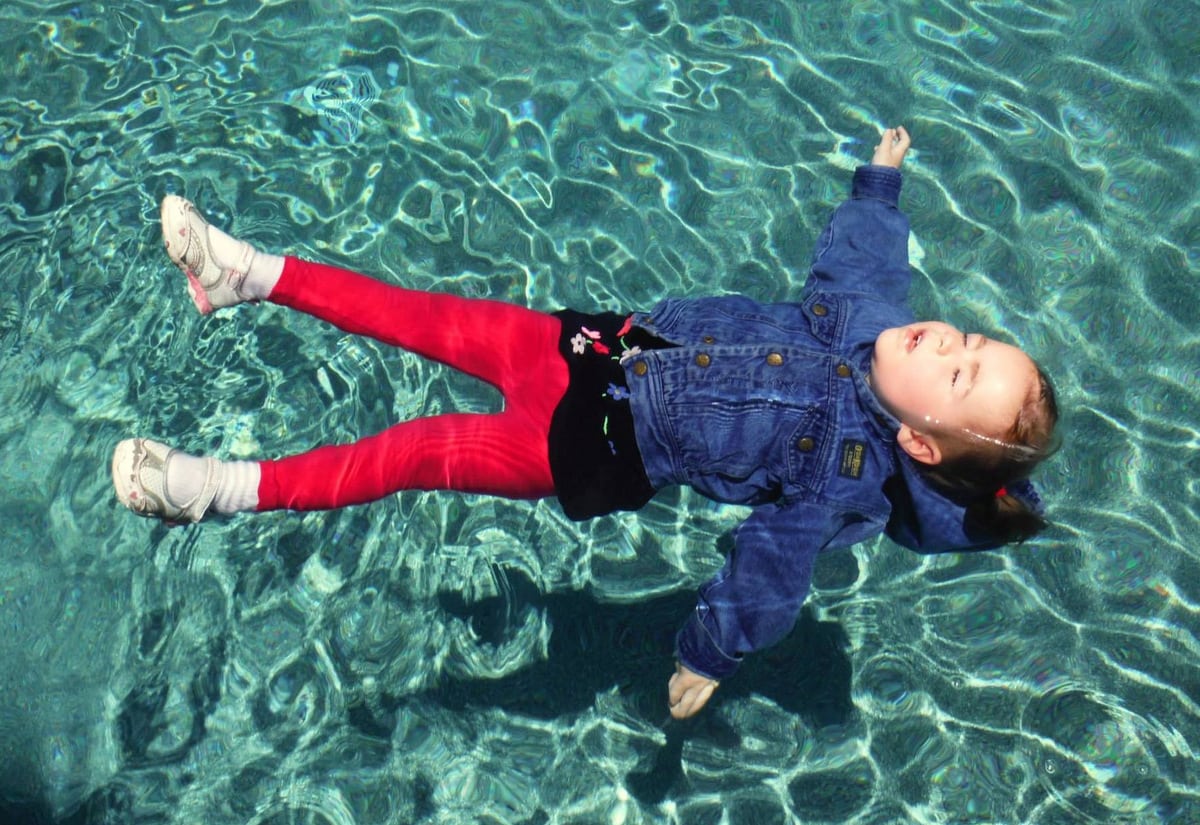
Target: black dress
{"points": [[594, 456]]}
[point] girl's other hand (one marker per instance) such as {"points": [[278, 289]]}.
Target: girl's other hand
{"points": [[892, 148], [688, 691]]}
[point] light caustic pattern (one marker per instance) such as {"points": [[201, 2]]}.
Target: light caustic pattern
{"points": [[439, 658]]}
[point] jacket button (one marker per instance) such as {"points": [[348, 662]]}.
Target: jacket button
{"points": [[775, 359], [640, 368], [703, 359], [820, 310], [805, 445], [708, 339], [843, 371]]}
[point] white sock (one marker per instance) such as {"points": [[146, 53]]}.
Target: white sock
{"points": [[237, 482], [261, 275], [264, 273], [238, 488]]}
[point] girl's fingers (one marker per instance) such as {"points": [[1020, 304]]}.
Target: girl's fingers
{"points": [[692, 700], [687, 692]]}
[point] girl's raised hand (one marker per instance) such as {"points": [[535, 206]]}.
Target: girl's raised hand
{"points": [[892, 148]]}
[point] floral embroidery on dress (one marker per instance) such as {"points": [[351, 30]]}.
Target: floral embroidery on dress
{"points": [[589, 338], [617, 393]]}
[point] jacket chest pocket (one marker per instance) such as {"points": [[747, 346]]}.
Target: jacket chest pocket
{"points": [[738, 438], [751, 449], [806, 451]]}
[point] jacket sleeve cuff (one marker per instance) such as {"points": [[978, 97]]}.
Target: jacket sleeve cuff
{"points": [[696, 650], [878, 182]]}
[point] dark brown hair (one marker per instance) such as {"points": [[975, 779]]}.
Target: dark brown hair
{"points": [[978, 467]]}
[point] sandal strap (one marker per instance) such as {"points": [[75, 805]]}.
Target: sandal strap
{"points": [[237, 276], [195, 509]]}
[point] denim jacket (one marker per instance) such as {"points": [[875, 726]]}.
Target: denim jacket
{"points": [[769, 406]]}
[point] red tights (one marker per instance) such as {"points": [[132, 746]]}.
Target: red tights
{"points": [[505, 453]]}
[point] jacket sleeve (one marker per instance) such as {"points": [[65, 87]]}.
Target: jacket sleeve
{"points": [[755, 599], [864, 248]]}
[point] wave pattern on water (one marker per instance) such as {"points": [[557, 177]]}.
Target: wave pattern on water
{"points": [[441, 658]]}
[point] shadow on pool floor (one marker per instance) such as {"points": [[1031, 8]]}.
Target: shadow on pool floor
{"points": [[597, 645]]}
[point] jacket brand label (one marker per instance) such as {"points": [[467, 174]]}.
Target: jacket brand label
{"points": [[854, 453]]}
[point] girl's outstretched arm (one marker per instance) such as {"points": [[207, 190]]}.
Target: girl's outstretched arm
{"points": [[892, 148], [864, 248]]}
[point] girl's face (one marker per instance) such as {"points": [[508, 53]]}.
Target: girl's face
{"points": [[936, 379]]}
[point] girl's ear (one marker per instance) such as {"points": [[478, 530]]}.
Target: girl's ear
{"points": [[920, 447]]}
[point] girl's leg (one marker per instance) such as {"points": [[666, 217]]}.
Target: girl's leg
{"points": [[501, 454], [504, 454], [481, 338], [495, 341]]}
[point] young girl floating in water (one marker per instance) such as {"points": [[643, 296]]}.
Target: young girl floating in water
{"points": [[837, 417]]}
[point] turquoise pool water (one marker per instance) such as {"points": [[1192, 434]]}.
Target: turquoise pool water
{"points": [[445, 659]]}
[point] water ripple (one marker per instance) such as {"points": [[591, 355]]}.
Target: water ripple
{"points": [[1098, 759]]}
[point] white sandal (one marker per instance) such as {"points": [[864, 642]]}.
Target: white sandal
{"points": [[215, 276], [139, 476]]}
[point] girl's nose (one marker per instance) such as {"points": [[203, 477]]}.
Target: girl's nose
{"points": [[950, 342]]}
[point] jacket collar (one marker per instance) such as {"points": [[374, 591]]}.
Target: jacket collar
{"points": [[882, 423]]}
